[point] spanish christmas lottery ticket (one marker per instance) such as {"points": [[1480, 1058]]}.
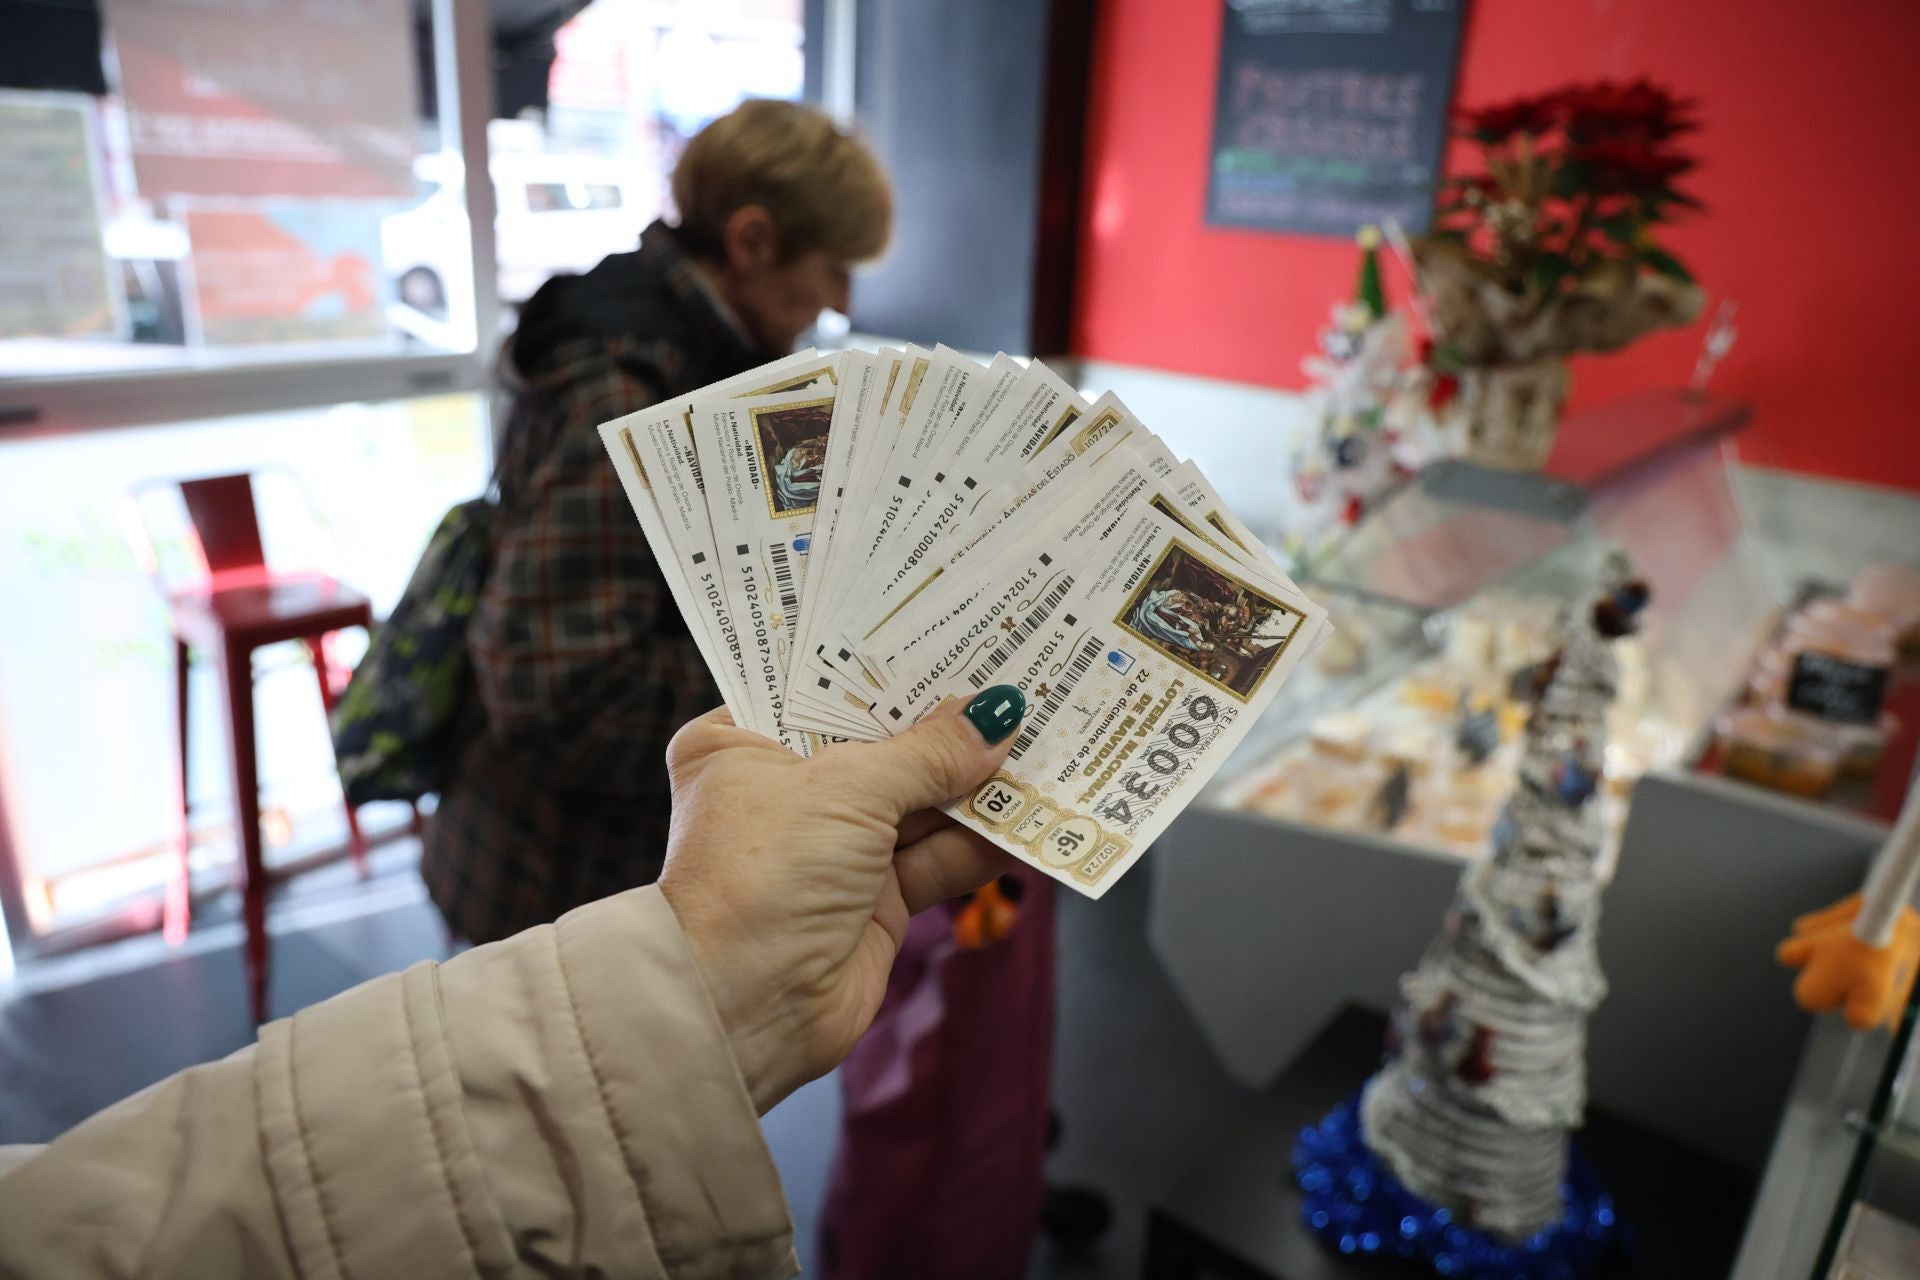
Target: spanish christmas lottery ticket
{"points": [[763, 458], [1142, 679]]}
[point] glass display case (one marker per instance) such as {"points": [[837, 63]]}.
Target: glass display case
{"points": [[1873, 1229], [1841, 1196], [1295, 887], [1406, 724]]}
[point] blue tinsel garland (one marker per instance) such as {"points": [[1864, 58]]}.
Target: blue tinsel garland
{"points": [[1350, 1199]]}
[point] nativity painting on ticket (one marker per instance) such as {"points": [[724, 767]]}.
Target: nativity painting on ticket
{"points": [[792, 440], [1209, 621]]}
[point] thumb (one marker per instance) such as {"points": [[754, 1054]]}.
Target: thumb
{"points": [[950, 752]]}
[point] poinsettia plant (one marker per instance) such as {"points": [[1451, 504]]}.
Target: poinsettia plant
{"points": [[1547, 248]]}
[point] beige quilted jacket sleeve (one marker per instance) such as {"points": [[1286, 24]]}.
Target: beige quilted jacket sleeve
{"points": [[562, 1103]]}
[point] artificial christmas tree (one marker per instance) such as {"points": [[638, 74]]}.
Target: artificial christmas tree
{"points": [[1457, 1151], [1353, 383]]}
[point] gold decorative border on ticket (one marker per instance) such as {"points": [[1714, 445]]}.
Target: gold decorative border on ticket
{"points": [[1053, 836], [1102, 422], [793, 383], [1067, 418]]}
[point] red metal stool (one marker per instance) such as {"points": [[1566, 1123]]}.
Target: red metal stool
{"points": [[237, 606]]}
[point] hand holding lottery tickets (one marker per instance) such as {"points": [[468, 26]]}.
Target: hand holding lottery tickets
{"points": [[576, 1065], [855, 538], [793, 878]]}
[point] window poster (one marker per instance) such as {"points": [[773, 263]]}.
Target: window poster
{"points": [[243, 98], [286, 271], [55, 278]]}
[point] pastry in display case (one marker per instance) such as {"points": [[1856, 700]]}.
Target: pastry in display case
{"points": [[1407, 724], [1815, 708], [1430, 756], [1891, 592]]}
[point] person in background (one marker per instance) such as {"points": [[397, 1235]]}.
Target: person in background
{"points": [[577, 1101], [584, 667]]}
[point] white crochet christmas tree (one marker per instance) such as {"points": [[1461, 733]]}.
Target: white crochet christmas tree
{"points": [[1370, 428], [1486, 1076]]}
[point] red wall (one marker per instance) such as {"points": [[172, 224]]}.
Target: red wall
{"points": [[1810, 119]]}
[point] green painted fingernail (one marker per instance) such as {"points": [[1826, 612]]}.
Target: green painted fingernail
{"points": [[997, 711]]}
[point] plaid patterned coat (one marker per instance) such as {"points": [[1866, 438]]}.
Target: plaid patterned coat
{"points": [[583, 666]]}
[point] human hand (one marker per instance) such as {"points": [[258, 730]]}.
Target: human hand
{"points": [[1838, 971], [793, 879]]}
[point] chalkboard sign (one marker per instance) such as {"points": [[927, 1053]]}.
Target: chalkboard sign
{"points": [[1835, 689], [1331, 114]]}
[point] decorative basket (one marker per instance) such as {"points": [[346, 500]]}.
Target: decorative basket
{"points": [[1511, 412]]}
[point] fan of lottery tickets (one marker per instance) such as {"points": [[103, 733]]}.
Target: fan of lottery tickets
{"points": [[854, 538]]}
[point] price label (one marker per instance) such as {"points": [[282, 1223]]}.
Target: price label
{"points": [[1835, 689]]}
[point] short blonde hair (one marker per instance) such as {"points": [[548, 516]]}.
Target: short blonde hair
{"points": [[824, 189]]}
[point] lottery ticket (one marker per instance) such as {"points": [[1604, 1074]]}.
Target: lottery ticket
{"points": [[1146, 674], [820, 695], [1033, 563], [764, 458], [655, 444]]}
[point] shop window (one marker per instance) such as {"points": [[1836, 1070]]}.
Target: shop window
{"points": [[237, 195]]}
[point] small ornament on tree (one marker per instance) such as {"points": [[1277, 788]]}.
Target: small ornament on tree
{"points": [[1477, 731], [1457, 1153]]}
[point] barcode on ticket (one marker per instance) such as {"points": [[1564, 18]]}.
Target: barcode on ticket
{"points": [[1057, 695], [1016, 635], [783, 582]]}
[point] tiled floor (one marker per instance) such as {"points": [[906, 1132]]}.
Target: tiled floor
{"points": [[1139, 1093], [79, 1032]]}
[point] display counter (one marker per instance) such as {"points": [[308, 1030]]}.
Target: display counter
{"points": [[1317, 868], [1406, 724]]}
